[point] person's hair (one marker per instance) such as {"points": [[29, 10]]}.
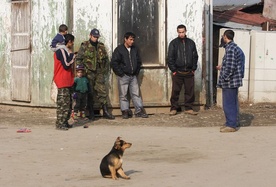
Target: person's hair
{"points": [[229, 34], [69, 37], [62, 28], [181, 27], [129, 34]]}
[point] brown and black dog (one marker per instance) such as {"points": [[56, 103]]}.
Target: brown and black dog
{"points": [[112, 163]]}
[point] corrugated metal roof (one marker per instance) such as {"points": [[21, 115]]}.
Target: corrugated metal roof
{"points": [[235, 2], [237, 15]]}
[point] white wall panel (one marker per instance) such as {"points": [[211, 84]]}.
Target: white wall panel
{"points": [[263, 67]]}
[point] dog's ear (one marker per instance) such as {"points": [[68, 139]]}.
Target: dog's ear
{"points": [[117, 144]]}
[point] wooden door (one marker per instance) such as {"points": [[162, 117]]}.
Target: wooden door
{"points": [[20, 51]]}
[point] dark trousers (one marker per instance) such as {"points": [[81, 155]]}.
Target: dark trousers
{"points": [[178, 80], [230, 106], [81, 101]]}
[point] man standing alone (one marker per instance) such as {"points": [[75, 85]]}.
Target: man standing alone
{"points": [[126, 64], [182, 61], [230, 79]]}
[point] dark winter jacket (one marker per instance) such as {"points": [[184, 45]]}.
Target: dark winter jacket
{"points": [[182, 55], [124, 62]]}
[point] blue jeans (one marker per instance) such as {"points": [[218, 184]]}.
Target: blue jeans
{"points": [[231, 106], [130, 83]]}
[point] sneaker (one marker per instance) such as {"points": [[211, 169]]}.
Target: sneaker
{"points": [[141, 114], [75, 116], [228, 129], [191, 112], [79, 114], [173, 112], [125, 114], [82, 114]]}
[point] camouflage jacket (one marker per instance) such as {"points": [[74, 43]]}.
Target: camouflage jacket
{"points": [[91, 58]]}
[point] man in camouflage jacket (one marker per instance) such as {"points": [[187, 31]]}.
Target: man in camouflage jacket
{"points": [[93, 55]]}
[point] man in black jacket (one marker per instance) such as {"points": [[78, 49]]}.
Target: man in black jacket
{"points": [[126, 64], [182, 61]]}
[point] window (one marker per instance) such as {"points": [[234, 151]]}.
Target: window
{"points": [[146, 19]]}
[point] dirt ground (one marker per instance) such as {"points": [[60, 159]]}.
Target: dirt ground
{"points": [[167, 151], [250, 115]]}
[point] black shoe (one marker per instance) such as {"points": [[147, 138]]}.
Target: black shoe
{"points": [[141, 114], [106, 114], [125, 114], [68, 126], [130, 114], [62, 128], [91, 115]]}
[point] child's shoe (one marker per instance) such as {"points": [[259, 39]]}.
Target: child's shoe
{"points": [[83, 114], [75, 116]]}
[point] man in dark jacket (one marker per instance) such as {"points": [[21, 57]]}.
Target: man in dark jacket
{"points": [[126, 64], [182, 61]]}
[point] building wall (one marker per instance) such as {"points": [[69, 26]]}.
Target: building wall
{"points": [[5, 28], [46, 16], [262, 79], [159, 80], [259, 83]]}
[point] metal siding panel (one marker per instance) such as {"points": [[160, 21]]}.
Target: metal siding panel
{"points": [[242, 38], [234, 2], [270, 51], [263, 69]]}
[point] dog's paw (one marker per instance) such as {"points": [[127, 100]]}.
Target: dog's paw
{"points": [[126, 177]]}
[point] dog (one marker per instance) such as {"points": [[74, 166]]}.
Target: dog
{"points": [[111, 164]]}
